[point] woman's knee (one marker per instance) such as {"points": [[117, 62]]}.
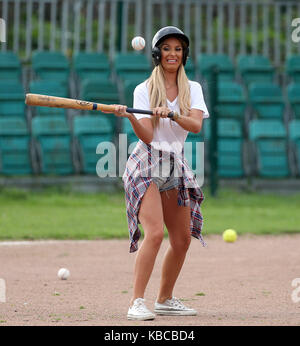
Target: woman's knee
{"points": [[155, 235], [181, 244]]}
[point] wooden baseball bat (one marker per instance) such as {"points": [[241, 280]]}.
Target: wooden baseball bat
{"points": [[63, 102]]}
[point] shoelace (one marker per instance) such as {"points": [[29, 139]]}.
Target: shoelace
{"points": [[140, 306], [177, 303]]}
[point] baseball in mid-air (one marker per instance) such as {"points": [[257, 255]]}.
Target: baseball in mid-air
{"points": [[138, 43], [63, 273]]}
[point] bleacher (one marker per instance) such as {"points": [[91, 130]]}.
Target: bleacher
{"points": [[258, 110]]}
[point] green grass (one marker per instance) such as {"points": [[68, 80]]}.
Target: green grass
{"points": [[56, 214]]}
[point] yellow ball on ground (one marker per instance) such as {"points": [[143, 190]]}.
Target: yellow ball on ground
{"points": [[230, 235]]}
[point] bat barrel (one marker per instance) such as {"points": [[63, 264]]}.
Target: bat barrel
{"points": [[58, 102], [62, 102]]}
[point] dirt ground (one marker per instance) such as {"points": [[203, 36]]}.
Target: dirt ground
{"points": [[246, 283]]}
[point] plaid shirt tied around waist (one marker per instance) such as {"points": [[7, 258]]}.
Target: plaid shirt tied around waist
{"points": [[143, 164]]}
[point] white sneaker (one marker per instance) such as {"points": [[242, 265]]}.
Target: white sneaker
{"points": [[139, 311], [173, 307]]}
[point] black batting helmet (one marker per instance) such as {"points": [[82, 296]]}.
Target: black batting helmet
{"points": [[164, 33]]}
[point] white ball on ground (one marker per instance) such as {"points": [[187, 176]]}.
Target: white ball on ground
{"points": [[138, 43], [63, 273]]}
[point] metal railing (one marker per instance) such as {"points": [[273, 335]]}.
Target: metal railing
{"points": [[214, 26]]}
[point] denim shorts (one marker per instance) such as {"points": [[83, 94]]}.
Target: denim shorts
{"points": [[166, 183]]}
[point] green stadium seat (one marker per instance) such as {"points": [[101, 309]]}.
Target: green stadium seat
{"points": [[132, 138], [51, 65], [127, 127], [270, 142], [190, 69], [230, 158], [267, 100], [132, 66], [91, 65], [294, 129], [193, 152], [230, 147], [89, 131], [255, 68], [222, 61], [293, 95], [129, 86], [292, 67], [10, 66], [294, 138], [100, 91], [231, 100], [50, 87], [227, 128], [53, 143], [263, 128], [12, 99], [15, 158]]}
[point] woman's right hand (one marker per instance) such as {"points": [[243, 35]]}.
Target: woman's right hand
{"points": [[161, 112]]}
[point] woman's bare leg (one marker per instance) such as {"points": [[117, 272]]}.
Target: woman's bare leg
{"points": [[151, 218], [177, 220]]}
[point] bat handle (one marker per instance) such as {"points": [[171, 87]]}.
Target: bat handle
{"points": [[138, 111], [171, 115]]}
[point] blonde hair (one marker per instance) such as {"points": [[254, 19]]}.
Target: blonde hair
{"points": [[157, 91]]}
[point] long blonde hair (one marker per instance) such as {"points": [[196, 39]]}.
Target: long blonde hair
{"points": [[157, 91]]}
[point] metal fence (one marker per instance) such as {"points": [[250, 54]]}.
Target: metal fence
{"points": [[214, 26]]}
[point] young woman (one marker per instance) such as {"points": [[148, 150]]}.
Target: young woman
{"points": [[157, 193]]}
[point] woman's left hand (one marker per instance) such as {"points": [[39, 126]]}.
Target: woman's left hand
{"points": [[161, 112], [120, 111]]}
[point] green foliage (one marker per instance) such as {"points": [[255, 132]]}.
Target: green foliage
{"points": [[264, 32]]}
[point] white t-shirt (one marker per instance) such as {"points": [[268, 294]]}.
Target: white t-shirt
{"points": [[168, 135]]}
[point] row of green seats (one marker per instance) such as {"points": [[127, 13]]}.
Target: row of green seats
{"points": [[90, 66], [267, 148], [51, 146], [55, 65], [48, 65], [269, 100], [266, 99], [250, 68], [55, 148], [269, 142]]}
